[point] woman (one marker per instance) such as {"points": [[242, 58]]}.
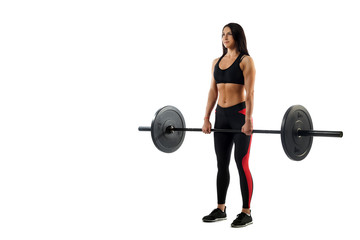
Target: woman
{"points": [[233, 82]]}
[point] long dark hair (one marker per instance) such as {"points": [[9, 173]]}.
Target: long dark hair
{"points": [[239, 37]]}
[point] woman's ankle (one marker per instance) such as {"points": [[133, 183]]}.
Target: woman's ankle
{"points": [[246, 210], [221, 207]]}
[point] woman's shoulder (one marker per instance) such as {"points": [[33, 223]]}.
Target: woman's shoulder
{"points": [[246, 62], [215, 61], [246, 58]]}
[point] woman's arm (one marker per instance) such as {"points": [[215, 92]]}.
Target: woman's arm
{"points": [[212, 97], [249, 76]]}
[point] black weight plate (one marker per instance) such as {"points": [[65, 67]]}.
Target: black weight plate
{"points": [[296, 118], [164, 140]]}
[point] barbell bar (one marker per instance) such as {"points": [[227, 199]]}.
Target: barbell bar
{"points": [[173, 129], [168, 131], [313, 133]]}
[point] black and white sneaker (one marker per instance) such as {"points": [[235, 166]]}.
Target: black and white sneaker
{"points": [[215, 215], [242, 220]]}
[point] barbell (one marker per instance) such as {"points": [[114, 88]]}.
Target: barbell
{"points": [[168, 131]]}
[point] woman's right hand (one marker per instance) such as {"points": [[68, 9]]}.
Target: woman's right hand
{"points": [[206, 127]]}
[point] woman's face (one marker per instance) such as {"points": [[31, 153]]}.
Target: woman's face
{"points": [[227, 38]]}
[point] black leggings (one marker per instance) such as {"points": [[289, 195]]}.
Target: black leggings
{"points": [[232, 118]]}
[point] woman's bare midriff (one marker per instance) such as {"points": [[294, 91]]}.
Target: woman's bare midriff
{"points": [[230, 94]]}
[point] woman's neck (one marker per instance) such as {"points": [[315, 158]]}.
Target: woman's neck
{"points": [[232, 52]]}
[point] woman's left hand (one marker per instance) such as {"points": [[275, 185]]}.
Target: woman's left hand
{"points": [[247, 128]]}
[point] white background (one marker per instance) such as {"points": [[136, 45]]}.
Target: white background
{"points": [[78, 77]]}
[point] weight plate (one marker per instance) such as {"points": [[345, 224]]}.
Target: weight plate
{"points": [[296, 118], [164, 140]]}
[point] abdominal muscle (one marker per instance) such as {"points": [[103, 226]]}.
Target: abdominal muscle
{"points": [[230, 94]]}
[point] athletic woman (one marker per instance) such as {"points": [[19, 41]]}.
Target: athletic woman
{"points": [[232, 86]]}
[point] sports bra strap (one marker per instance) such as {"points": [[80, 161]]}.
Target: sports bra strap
{"points": [[242, 57]]}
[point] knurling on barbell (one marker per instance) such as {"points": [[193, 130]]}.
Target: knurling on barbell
{"points": [[168, 131]]}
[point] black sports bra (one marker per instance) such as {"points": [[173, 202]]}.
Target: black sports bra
{"points": [[232, 74]]}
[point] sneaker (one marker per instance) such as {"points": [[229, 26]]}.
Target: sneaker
{"points": [[242, 220], [215, 215]]}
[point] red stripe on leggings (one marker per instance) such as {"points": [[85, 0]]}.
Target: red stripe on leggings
{"points": [[245, 164], [243, 111]]}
